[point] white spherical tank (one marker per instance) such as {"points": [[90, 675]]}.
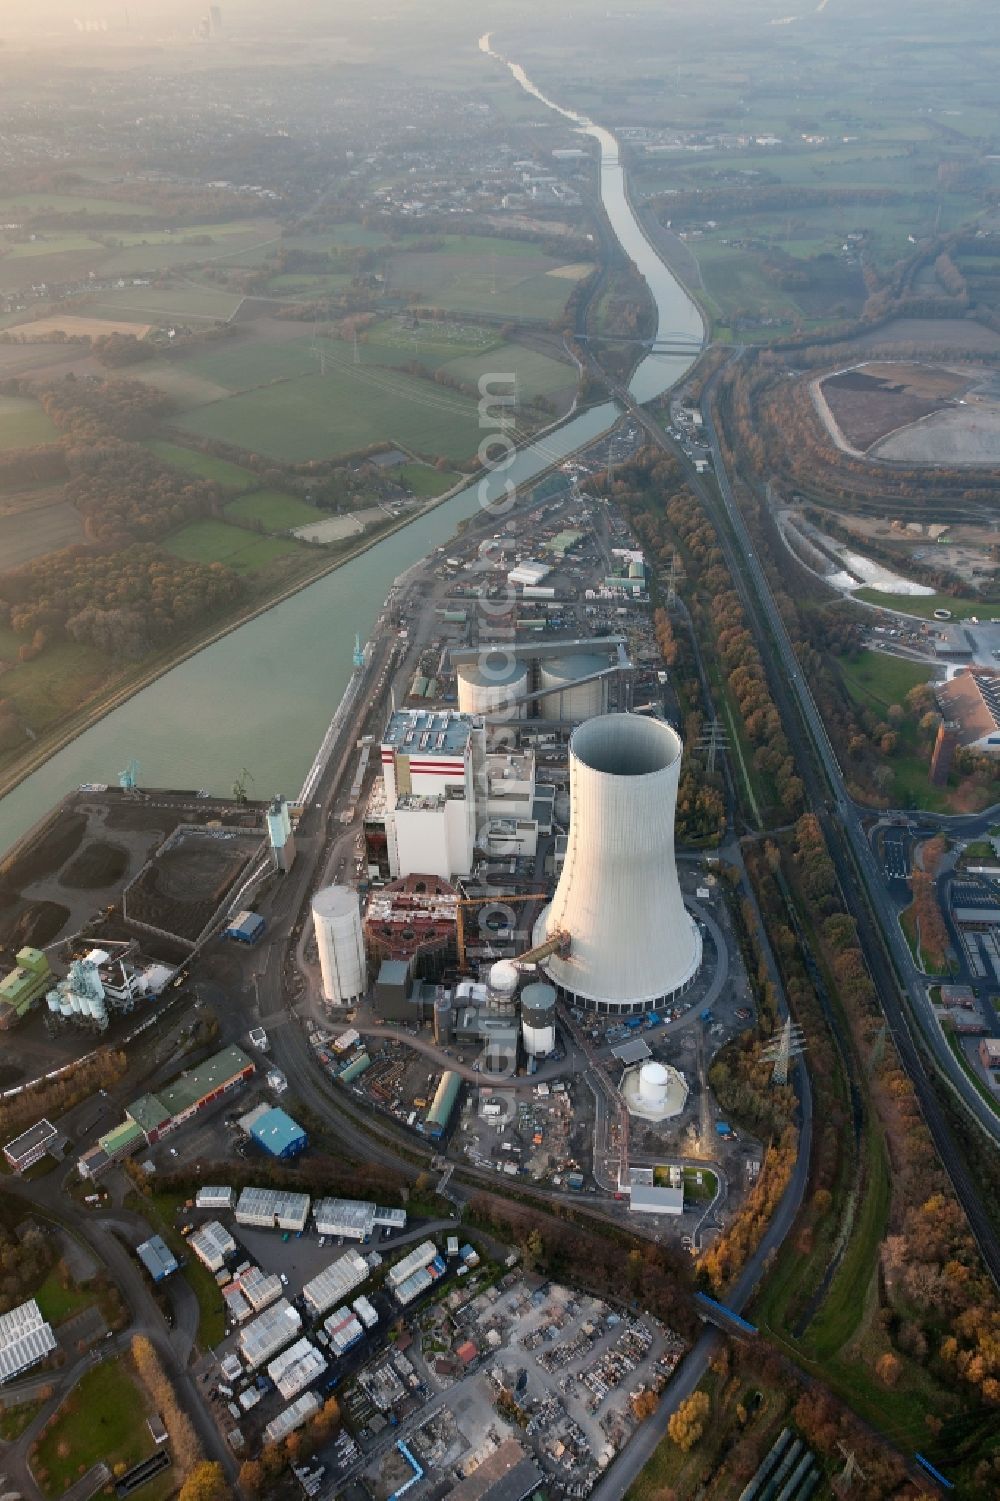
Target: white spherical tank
{"points": [[632, 943], [489, 686], [573, 699], [538, 1019], [504, 979], [339, 939]]}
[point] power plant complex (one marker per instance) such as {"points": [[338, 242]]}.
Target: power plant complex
{"points": [[500, 881]]}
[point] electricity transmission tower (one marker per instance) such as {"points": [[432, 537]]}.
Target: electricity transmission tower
{"points": [[712, 740], [788, 1045]]}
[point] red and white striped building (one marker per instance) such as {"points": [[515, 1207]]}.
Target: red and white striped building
{"points": [[429, 764]]}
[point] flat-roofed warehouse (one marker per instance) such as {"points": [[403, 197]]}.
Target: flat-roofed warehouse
{"points": [[413, 1261], [300, 1411], [25, 1339], [336, 1282], [32, 1145], [295, 1368], [270, 1208], [214, 1196], [355, 1218], [212, 1243], [194, 1090], [270, 1332]]}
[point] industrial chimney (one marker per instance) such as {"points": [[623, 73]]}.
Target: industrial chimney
{"points": [[632, 943]]}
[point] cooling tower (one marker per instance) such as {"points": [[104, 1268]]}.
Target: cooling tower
{"points": [[632, 943], [337, 920]]}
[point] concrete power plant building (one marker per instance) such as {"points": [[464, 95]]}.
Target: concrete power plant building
{"points": [[341, 945], [629, 943]]}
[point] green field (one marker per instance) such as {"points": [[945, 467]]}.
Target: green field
{"points": [[52, 244], [320, 416], [14, 1420], [276, 512], [424, 480], [164, 306], [478, 274], [57, 1302], [536, 374], [924, 605], [66, 203], [104, 1417], [58, 680], [216, 542], [227, 476], [876, 680], [23, 424]]}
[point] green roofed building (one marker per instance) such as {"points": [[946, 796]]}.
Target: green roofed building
{"points": [[23, 986], [193, 1091], [564, 542], [148, 1114], [123, 1140]]}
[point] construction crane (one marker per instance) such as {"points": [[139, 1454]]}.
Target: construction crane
{"points": [[240, 786], [129, 778], [491, 901]]}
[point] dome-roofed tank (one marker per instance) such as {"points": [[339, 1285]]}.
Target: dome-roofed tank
{"points": [[574, 699], [489, 686]]}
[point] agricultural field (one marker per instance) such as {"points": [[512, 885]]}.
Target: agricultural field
{"points": [[41, 523], [319, 416], [479, 274], [227, 476], [72, 324], [23, 424], [217, 542], [38, 205], [161, 307], [275, 512]]}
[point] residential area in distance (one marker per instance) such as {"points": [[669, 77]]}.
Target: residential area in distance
{"points": [[499, 752]]}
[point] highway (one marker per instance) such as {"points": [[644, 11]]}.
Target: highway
{"points": [[884, 946]]}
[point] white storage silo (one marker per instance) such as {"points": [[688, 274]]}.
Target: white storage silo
{"points": [[489, 685], [632, 943], [337, 920], [538, 1019], [571, 698], [653, 1080]]}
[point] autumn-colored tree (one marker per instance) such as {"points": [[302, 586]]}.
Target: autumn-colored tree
{"points": [[206, 1482], [687, 1424], [251, 1477]]}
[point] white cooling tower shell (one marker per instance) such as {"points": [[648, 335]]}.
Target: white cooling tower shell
{"points": [[340, 941], [573, 699], [633, 944], [488, 686]]}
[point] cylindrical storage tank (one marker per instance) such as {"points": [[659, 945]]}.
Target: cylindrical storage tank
{"points": [[632, 943], [538, 1019], [653, 1081], [503, 981], [66, 1005], [635, 570], [489, 685], [573, 699], [337, 921], [52, 1001]]}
